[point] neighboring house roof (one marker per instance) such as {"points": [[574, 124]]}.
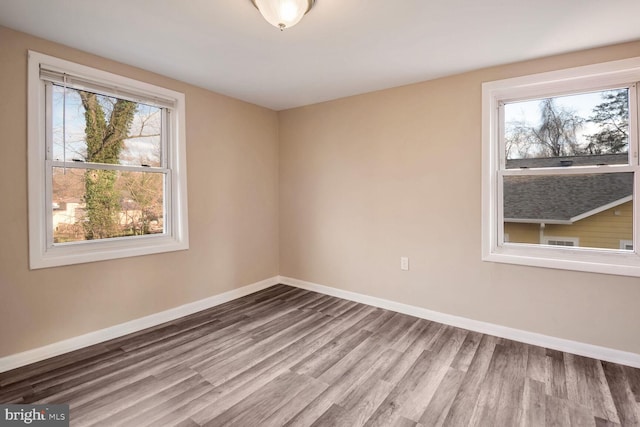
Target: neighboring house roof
{"points": [[69, 200], [564, 199], [550, 162]]}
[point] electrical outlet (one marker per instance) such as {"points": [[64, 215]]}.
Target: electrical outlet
{"points": [[404, 263]]}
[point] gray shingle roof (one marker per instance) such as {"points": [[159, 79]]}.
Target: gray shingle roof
{"points": [[548, 162], [563, 197]]}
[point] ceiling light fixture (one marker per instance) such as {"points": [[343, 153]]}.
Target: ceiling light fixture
{"points": [[283, 13]]}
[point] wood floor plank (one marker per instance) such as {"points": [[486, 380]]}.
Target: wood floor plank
{"points": [[601, 399], [267, 314], [326, 304], [154, 414], [107, 405], [438, 408], [263, 402], [298, 296], [556, 380], [113, 402], [210, 404], [287, 356], [339, 390], [47, 379], [415, 390], [391, 409], [336, 392], [407, 358], [623, 397], [157, 335], [467, 352], [394, 329], [405, 422], [331, 353], [296, 350], [534, 410], [332, 417], [464, 403], [536, 363], [218, 351], [141, 364], [157, 405], [45, 366], [605, 423], [16, 392], [485, 409], [511, 407], [366, 352], [187, 423], [278, 325], [382, 317], [580, 416], [362, 402], [412, 333], [340, 308], [577, 387], [633, 374], [286, 412], [233, 390], [269, 345], [318, 302], [557, 413]]}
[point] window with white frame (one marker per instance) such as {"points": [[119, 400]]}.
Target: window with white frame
{"points": [[107, 165], [560, 158]]}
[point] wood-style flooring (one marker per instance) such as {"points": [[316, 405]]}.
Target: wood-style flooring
{"points": [[286, 356]]}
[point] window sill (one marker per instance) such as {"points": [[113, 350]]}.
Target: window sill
{"points": [[81, 252], [588, 260]]}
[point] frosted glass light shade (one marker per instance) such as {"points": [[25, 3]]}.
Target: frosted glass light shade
{"points": [[283, 13]]}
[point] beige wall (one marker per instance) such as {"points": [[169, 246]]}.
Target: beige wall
{"points": [[363, 181], [232, 155], [367, 179]]}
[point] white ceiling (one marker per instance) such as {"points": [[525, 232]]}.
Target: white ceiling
{"points": [[340, 48]]}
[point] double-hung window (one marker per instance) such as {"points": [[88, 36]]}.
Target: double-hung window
{"points": [[561, 169], [107, 165]]}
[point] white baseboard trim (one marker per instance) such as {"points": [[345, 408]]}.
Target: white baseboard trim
{"points": [[8, 363], [37, 354], [569, 346]]}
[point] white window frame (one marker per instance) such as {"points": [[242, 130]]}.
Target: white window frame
{"points": [[622, 73], [42, 251]]}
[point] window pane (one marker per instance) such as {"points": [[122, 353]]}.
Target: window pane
{"points": [[91, 204], [102, 129], [590, 210], [583, 129]]}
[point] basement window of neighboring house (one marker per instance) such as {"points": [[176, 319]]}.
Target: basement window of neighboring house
{"points": [[626, 244], [107, 165], [560, 158], [560, 241]]}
